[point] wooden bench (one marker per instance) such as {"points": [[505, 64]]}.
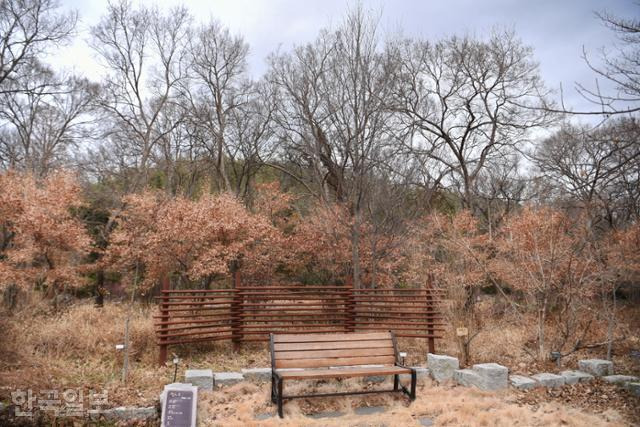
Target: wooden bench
{"points": [[321, 356]]}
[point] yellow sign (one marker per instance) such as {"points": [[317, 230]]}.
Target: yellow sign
{"points": [[462, 332]]}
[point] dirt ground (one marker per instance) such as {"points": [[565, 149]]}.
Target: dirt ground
{"points": [[445, 405]]}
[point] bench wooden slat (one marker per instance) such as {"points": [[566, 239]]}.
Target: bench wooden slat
{"points": [[344, 361], [330, 345], [343, 372], [324, 354], [287, 338]]}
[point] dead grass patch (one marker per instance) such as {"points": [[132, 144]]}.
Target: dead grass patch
{"points": [[445, 405]]}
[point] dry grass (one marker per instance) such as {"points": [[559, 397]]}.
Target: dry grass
{"points": [[75, 348], [445, 405]]}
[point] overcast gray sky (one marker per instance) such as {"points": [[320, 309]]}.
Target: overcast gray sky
{"points": [[557, 30]]}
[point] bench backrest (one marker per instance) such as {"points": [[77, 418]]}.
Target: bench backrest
{"points": [[324, 350]]}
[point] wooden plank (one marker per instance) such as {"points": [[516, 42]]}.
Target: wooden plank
{"points": [[426, 335], [201, 291], [194, 340], [362, 310], [394, 328], [249, 316], [198, 326], [343, 361], [331, 345], [343, 372], [331, 337], [324, 354], [161, 334]]}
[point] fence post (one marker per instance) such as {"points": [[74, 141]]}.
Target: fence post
{"points": [[164, 317], [350, 306], [237, 309], [430, 312]]}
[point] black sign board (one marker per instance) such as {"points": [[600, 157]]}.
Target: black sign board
{"points": [[178, 408]]}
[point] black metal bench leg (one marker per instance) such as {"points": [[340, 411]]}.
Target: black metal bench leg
{"points": [[280, 414], [413, 385], [273, 389], [396, 382]]}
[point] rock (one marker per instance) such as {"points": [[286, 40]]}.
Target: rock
{"points": [[619, 379], [596, 367], [441, 367], [467, 378], [425, 422], [123, 413], [522, 383], [369, 410], [257, 374], [265, 416], [574, 377], [201, 378], [492, 376], [549, 380], [634, 388], [222, 379], [327, 414]]}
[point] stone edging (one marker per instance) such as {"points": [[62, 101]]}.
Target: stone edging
{"points": [[492, 376]]}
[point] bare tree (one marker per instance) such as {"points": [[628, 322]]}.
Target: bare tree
{"points": [[144, 55], [27, 29], [251, 132], [44, 116], [619, 67], [595, 170], [470, 101], [218, 88], [332, 121], [500, 189]]}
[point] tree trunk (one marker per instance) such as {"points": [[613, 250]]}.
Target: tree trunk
{"points": [[542, 317], [611, 323], [355, 249], [99, 291]]}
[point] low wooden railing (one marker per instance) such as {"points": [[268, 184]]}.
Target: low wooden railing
{"points": [[250, 313]]}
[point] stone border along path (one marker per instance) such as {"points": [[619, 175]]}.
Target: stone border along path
{"points": [[485, 376]]}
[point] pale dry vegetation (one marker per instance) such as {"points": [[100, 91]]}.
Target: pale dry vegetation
{"points": [[445, 405]]}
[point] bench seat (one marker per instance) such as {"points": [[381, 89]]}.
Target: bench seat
{"points": [[342, 372], [347, 355]]}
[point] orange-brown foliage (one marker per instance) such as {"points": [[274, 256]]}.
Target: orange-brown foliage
{"points": [[193, 238], [41, 239]]}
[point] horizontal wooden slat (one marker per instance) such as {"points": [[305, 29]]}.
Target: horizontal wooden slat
{"points": [[343, 372], [200, 291], [291, 288], [284, 326], [330, 345], [196, 326], [195, 340], [366, 310], [212, 303], [162, 334], [330, 337], [407, 335], [343, 361], [284, 314], [325, 354]]}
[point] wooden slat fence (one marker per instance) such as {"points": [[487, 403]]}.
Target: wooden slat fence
{"points": [[250, 313]]}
